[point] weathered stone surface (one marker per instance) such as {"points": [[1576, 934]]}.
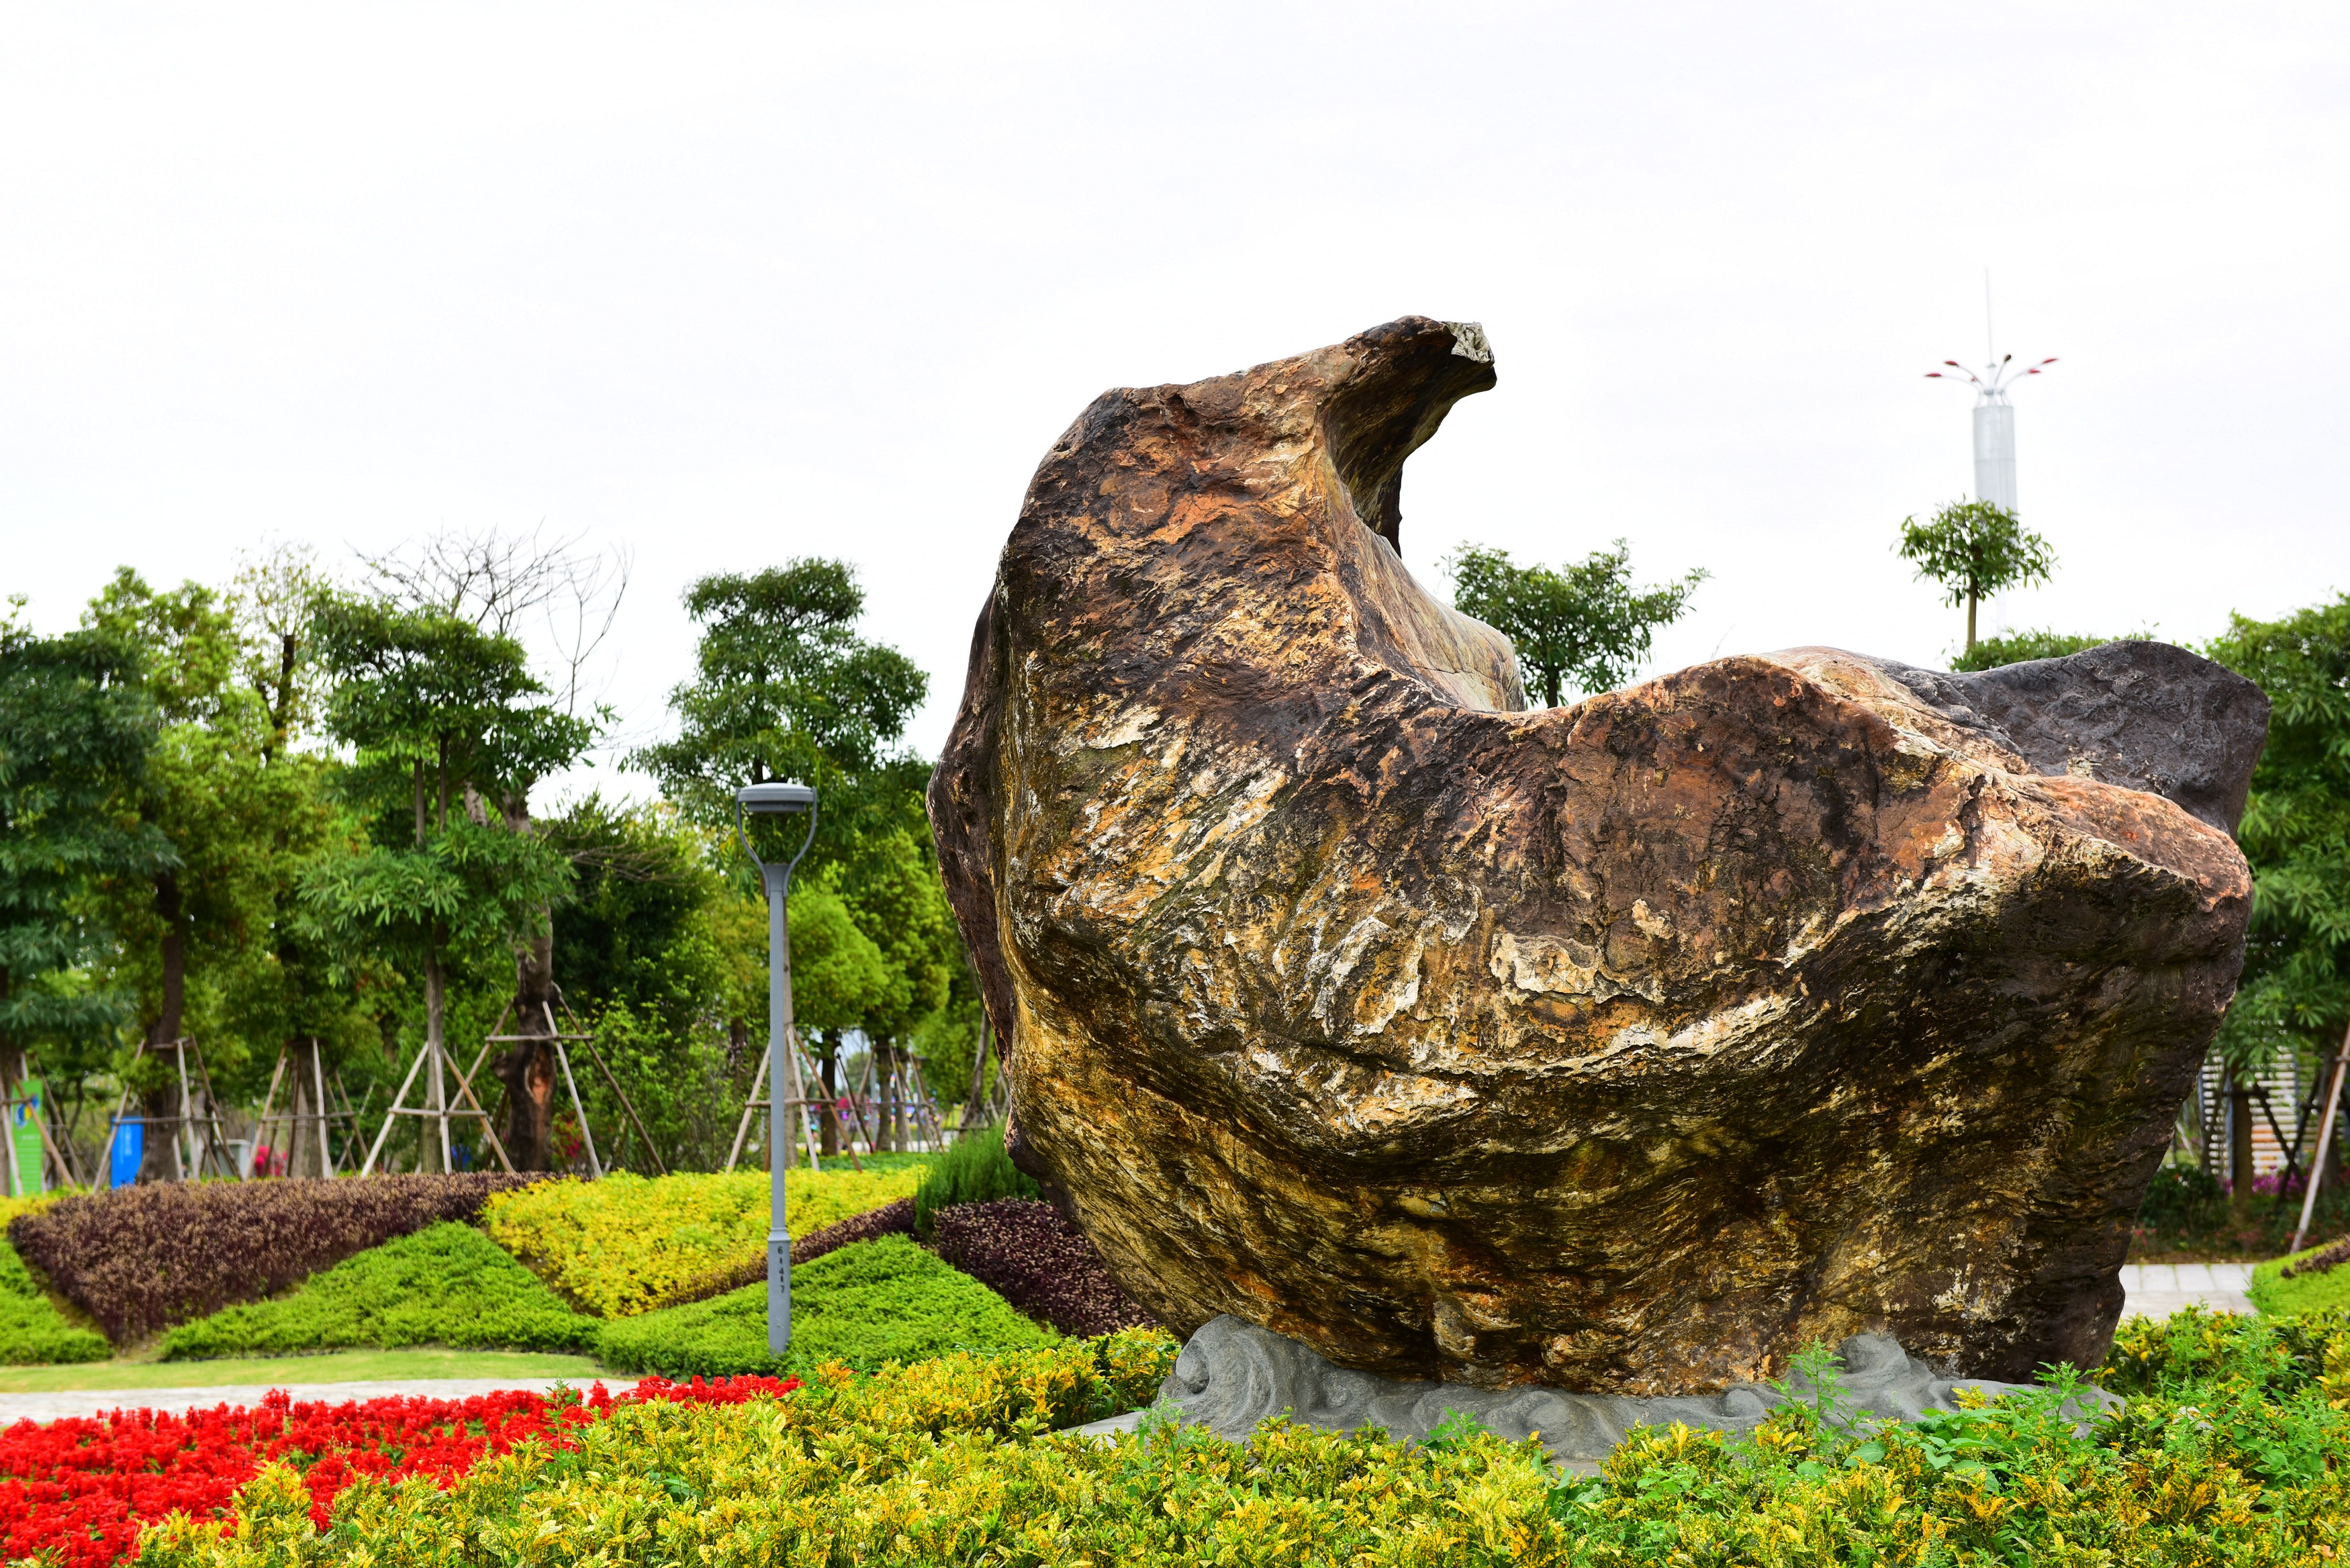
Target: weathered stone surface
{"points": [[1233, 1374], [1625, 1047]]}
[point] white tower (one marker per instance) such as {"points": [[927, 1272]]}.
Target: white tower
{"points": [[1994, 415]]}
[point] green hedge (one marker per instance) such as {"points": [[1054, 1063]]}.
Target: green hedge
{"points": [[445, 1284], [866, 1304], [33, 1331]]}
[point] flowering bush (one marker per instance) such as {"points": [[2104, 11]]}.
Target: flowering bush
{"points": [[862, 1306], [1038, 1262], [139, 1259], [627, 1243], [445, 1284], [890, 1220], [79, 1489]]}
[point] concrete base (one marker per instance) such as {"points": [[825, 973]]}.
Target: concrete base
{"points": [[1233, 1374]]}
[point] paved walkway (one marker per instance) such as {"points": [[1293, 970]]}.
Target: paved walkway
{"points": [[2158, 1289], [14, 1408]]}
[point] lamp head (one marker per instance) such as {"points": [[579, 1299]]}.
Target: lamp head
{"points": [[776, 799]]}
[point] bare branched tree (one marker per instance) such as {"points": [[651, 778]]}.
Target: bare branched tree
{"points": [[507, 583], [504, 583], [272, 597]]}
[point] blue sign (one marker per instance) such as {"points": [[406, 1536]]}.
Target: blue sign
{"points": [[129, 1152]]}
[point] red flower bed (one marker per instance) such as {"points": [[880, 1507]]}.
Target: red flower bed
{"points": [[83, 1486]]}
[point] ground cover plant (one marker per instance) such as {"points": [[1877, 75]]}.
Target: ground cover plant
{"points": [[33, 1331], [445, 1284], [626, 1243], [1031, 1256], [78, 1491], [975, 1169], [862, 1306], [140, 1259]]}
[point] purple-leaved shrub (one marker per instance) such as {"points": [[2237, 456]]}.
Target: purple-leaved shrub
{"points": [[1038, 1262], [140, 1259]]}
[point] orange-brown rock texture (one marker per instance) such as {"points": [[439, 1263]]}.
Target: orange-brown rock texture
{"points": [[1626, 1046]]}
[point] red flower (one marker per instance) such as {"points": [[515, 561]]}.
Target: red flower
{"points": [[82, 1486]]}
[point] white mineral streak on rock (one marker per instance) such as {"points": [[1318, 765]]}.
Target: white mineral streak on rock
{"points": [[1127, 730], [1546, 965]]}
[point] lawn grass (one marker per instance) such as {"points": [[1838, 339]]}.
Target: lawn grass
{"points": [[2277, 1296], [445, 1284], [342, 1366], [867, 1304]]}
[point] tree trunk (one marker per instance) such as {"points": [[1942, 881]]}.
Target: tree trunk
{"points": [[2239, 1148], [306, 1147], [161, 1161], [828, 1065], [527, 1069], [1971, 620]]}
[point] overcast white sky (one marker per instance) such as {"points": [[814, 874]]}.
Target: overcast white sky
{"points": [[726, 285]]}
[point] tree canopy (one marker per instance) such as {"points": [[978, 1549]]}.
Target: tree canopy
{"points": [[77, 729], [1583, 626], [2296, 833], [1975, 549]]}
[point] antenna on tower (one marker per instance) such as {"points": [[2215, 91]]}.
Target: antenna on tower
{"points": [[1994, 415]]}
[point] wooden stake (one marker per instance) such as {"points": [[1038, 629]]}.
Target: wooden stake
{"points": [[2325, 1144]]}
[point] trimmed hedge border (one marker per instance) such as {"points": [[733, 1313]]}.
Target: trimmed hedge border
{"points": [[140, 1258]]}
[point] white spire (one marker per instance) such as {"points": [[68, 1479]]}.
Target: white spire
{"points": [[1994, 415]]}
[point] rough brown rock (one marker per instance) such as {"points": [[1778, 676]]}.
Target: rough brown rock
{"points": [[1625, 1046]]}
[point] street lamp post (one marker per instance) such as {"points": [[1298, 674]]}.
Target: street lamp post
{"points": [[777, 800]]}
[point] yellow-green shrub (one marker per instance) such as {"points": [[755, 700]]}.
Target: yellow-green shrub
{"points": [[30, 1203], [627, 1243]]}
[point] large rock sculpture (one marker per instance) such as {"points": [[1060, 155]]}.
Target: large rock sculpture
{"points": [[1625, 1047]]}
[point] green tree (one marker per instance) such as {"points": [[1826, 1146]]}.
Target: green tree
{"points": [[444, 720], [78, 726], [1583, 624], [2295, 989], [785, 687], [1975, 549], [497, 583], [203, 791]]}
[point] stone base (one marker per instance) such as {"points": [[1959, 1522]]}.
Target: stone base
{"points": [[1233, 1374]]}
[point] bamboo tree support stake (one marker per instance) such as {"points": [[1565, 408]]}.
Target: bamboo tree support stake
{"points": [[750, 1105], [579, 1108], [2325, 1144], [587, 1039], [268, 1098]]}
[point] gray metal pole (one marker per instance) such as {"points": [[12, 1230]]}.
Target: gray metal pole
{"points": [[779, 1152]]}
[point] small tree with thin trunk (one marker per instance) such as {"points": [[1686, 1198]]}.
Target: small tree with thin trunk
{"points": [[442, 717], [1583, 624], [1974, 549]]}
